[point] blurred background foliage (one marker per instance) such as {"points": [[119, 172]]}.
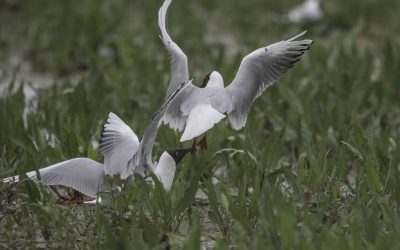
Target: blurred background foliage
{"points": [[316, 167]]}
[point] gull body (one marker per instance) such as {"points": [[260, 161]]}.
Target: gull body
{"points": [[197, 109], [123, 155]]}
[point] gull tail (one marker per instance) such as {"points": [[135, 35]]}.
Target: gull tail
{"points": [[201, 118]]}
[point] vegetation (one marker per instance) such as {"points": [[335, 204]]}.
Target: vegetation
{"points": [[316, 167]]}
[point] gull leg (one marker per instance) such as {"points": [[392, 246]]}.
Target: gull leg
{"points": [[203, 143], [194, 145]]}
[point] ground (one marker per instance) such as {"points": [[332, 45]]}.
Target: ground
{"points": [[316, 167]]}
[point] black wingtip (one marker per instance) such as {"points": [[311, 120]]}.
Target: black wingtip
{"points": [[105, 121]]}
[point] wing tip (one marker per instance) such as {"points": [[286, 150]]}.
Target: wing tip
{"points": [[103, 127], [111, 117], [297, 36], [176, 124], [11, 179], [237, 122]]}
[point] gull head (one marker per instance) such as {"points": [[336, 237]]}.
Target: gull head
{"points": [[213, 79], [178, 154]]}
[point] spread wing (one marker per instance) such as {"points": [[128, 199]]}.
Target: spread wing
{"points": [[119, 146], [178, 59], [146, 145], [179, 72], [259, 70], [81, 174]]}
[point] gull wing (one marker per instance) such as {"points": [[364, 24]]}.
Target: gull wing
{"points": [[179, 73], [81, 174], [146, 145], [178, 59], [119, 146], [259, 70]]}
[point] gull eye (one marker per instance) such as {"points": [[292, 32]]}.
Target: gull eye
{"points": [[177, 153]]}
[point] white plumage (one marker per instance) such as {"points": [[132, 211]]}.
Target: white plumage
{"points": [[82, 174], [119, 146], [258, 70], [200, 119], [166, 174]]}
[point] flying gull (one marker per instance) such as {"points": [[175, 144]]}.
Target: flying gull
{"points": [[197, 109]]}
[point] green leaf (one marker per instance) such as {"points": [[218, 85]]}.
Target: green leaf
{"points": [[355, 151], [193, 239], [188, 196]]}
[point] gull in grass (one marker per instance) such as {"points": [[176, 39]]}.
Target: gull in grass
{"points": [[197, 109], [123, 155]]}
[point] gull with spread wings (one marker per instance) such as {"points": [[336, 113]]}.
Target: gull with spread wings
{"points": [[123, 155], [197, 109]]}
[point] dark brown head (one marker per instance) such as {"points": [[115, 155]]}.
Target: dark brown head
{"points": [[205, 81], [178, 153]]}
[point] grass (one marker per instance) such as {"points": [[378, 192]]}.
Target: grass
{"points": [[316, 167]]}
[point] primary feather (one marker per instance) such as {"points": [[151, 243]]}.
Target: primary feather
{"points": [[81, 174], [119, 146]]}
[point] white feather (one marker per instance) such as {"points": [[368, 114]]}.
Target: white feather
{"points": [[81, 174], [201, 118], [165, 170], [119, 146]]}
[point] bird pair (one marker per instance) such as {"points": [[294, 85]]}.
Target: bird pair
{"points": [[188, 108]]}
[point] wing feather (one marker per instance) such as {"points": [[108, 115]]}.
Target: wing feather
{"points": [[119, 146], [81, 174], [179, 73], [178, 59], [150, 133], [259, 70]]}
